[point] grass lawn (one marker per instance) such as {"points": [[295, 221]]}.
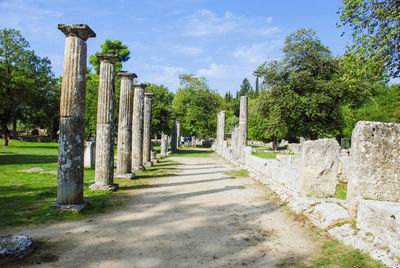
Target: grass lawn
{"points": [[269, 155], [25, 198]]}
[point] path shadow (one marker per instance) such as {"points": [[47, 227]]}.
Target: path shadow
{"points": [[173, 184]]}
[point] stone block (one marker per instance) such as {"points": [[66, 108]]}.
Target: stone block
{"points": [[375, 151], [381, 219], [14, 247], [319, 168], [325, 215]]}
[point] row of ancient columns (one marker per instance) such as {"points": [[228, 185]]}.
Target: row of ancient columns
{"points": [[134, 128], [239, 134]]}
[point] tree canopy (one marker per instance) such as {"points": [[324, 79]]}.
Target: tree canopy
{"points": [[109, 46], [375, 29], [196, 106], [28, 90]]}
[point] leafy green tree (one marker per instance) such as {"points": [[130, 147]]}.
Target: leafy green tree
{"points": [[196, 106], [109, 46], [162, 112], [305, 91], [375, 29], [28, 89], [230, 123], [246, 89], [383, 107], [257, 90]]}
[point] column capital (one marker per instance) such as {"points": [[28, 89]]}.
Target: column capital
{"points": [[125, 75], [142, 85], [148, 95], [79, 30], [110, 57]]}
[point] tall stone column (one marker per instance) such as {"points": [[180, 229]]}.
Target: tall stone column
{"points": [[164, 145], [72, 115], [104, 170], [124, 151], [147, 129], [220, 130], [174, 138], [137, 127], [242, 139], [178, 133]]}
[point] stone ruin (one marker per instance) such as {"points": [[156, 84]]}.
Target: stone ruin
{"points": [[308, 181]]}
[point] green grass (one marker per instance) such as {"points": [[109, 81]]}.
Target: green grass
{"points": [[238, 173], [192, 153], [341, 191], [25, 198], [336, 254], [269, 155]]}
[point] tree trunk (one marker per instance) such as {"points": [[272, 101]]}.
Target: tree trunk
{"points": [[5, 135]]}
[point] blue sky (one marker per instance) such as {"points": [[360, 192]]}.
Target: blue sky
{"points": [[223, 41]]}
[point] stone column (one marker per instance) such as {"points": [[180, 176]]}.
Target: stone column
{"points": [[220, 130], [90, 154], [137, 128], [174, 138], [104, 171], [242, 139], [72, 115], [164, 145], [153, 155], [178, 134], [124, 151], [147, 129]]}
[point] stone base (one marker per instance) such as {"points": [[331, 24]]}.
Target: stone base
{"points": [[96, 187], [14, 247], [139, 168], [155, 161], [150, 164], [73, 208], [123, 176]]}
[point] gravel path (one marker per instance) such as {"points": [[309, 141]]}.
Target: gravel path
{"points": [[198, 218]]}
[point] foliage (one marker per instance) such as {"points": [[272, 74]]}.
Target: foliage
{"points": [[230, 123], [307, 89], [196, 106], [191, 153], [25, 198], [383, 106], [162, 113], [109, 46], [29, 92], [375, 29]]}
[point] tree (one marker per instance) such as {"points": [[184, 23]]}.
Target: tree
{"points": [[162, 112], [109, 46], [305, 91], [28, 89], [245, 88], [196, 106], [375, 29]]}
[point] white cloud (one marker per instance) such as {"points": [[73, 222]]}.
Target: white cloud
{"points": [[215, 71], [162, 74], [257, 53], [188, 50], [205, 22]]}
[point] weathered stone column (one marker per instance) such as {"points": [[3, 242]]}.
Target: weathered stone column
{"points": [[124, 152], [242, 139], [153, 155], [72, 115], [147, 129], [89, 154], [174, 138], [178, 134], [104, 171], [164, 145], [137, 127], [220, 130]]}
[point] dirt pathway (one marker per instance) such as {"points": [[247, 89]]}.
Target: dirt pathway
{"points": [[198, 218]]}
